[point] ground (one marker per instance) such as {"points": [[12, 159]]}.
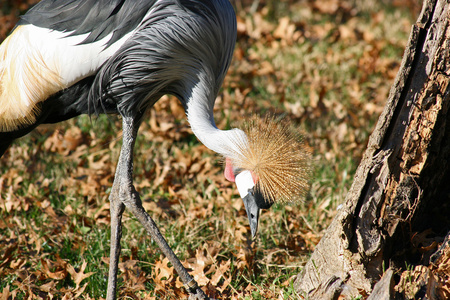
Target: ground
{"points": [[327, 66]]}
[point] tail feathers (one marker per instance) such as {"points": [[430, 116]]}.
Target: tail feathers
{"points": [[25, 81], [10, 120]]}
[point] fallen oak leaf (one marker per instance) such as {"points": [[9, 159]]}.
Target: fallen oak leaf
{"points": [[5, 293], [134, 277], [80, 291], [198, 265], [199, 274], [78, 277], [60, 273], [162, 270], [7, 256], [220, 272], [48, 287]]}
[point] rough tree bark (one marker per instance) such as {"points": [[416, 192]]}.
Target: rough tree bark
{"points": [[397, 210]]}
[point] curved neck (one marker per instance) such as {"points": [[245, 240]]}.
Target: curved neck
{"points": [[200, 116]]}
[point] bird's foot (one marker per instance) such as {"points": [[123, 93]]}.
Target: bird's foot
{"points": [[195, 292], [198, 295]]}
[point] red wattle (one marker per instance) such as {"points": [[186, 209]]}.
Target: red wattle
{"points": [[229, 175]]}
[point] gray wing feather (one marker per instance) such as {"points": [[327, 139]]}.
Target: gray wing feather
{"points": [[179, 39], [98, 18]]}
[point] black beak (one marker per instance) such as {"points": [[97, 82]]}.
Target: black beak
{"points": [[252, 211], [254, 202]]}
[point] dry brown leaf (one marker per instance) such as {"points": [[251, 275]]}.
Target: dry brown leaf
{"points": [[163, 273], [5, 293], [48, 287], [199, 265], [60, 270], [220, 272], [79, 276]]}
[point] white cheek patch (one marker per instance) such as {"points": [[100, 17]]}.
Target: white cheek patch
{"points": [[244, 182]]}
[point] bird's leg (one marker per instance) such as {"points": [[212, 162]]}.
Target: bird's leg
{"points": [[130, 198], [116, 210], [116, 233], [148, 223]]}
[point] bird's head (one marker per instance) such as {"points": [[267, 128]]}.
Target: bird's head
{"points": [[271, 165]]}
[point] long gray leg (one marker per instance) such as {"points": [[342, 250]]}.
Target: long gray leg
{"points": [[123, 187], [116, 211]]}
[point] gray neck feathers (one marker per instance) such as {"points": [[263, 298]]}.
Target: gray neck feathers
{"points": [[184, 48]]}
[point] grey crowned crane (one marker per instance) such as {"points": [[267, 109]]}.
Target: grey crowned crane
{"points": [[71, 57]]}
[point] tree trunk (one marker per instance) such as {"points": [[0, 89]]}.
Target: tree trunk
{"points": [[397, 210]]}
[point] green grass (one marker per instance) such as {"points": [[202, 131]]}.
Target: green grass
{"points": [[53, 195]]}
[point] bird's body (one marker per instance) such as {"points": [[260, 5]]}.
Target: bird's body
{"points": [[70, 57], [55, 45], [114, 56]]}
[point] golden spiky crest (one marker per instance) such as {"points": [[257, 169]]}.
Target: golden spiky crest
{"points": [[277, 156]]}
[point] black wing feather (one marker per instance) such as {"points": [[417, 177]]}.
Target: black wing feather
{"points": [[99, 18]]}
